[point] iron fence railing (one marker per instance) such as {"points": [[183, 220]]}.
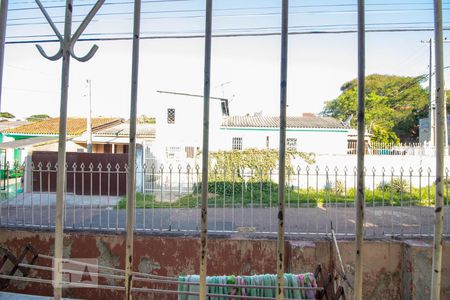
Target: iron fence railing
{"points": [[398, 202], [378, 148]]}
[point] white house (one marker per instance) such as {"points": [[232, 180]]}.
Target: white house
{"points": [[179, 125], [179, 130], [308, 133]]}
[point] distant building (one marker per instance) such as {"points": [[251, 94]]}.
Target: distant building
{"points": [[308, 133], [179, 130], [48, 132], [425, 130], [179, 126]]}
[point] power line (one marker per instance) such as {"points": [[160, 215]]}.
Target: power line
{"points": [[231, 35], [90, 5], [247, 30], [378, 11]]}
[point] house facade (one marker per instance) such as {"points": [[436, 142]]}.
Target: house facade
{"points": [[307, 133], [48, 130], [179, 126]]}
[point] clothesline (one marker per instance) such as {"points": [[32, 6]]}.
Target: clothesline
{"points": [[37, 267]]}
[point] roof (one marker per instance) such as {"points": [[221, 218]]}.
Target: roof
{"points": [[143, 130], [309, 121], [75, 126], [5, 124], [27, 142]]}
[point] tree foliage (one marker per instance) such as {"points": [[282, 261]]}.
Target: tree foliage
{"points": [[231, 163], [394, 105], [36, 118], [6, 115]]}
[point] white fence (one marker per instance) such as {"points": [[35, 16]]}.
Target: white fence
{"points": [[398, 201]]}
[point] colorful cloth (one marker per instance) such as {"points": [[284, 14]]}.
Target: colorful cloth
{"points": [[227, 286]]}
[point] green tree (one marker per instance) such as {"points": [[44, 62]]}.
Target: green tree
{"points": [[394, 105], [6, 115], [36, 118]]}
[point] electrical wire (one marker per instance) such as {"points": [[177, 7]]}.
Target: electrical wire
{"points": [[231, 35]]}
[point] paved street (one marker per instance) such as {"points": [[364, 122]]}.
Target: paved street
{"points": [[100, 213]]}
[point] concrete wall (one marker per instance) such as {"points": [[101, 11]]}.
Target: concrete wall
{"points": [[315, 140], [393, 269]]}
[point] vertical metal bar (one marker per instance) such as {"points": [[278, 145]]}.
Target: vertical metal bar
{"points": [[161, 194], [206, 95], [91, 171], [170, 197], [420, 201], [82, 194], [361, 149], [131, 191], [441, 123], [108, 167], [74, 214], [3, 19], [31, 194], [282, 147], [144, 210], [99, 210], [179, 195], [61, 173], [48, 195], [89, 119], [215, 198]]}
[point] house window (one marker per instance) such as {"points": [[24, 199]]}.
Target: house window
{"points": [[171, 116], [173, 152], [189, 152], [291, 144], [107, 148], [236, 143], [267, 142]]}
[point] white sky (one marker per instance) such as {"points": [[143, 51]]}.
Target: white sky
{"points": [[318, 66]]}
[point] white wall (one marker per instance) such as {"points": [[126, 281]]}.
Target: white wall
{"points": [[188, 127], [319, 141]]}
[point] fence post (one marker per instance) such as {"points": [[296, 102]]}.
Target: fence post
{"points": [[441, 123], [361, 150], [131, 191], [206, 94], [282, 154]]}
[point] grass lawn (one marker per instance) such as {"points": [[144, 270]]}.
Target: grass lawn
{"points": [[265, 194]]}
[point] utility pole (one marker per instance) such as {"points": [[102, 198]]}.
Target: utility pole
{"points": [[432, 104], [3, 19], [89, 118]]}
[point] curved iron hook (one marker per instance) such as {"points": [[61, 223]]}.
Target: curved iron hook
{"points": [[57, 56], [87, 57]]}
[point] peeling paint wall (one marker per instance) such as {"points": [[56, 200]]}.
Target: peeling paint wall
{"points": [[392, 269]]}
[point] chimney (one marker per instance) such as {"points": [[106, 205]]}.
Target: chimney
{"points": [[308, 115]]}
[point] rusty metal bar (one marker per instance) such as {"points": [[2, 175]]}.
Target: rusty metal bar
{"points": [[360, 154], [282, 152], [205, 154], [3, 19], [61, 177], [131, 190], [441, 144]]}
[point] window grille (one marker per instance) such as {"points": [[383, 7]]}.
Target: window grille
{"points": [[237, 143], [291, 144], [171, 116]]}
